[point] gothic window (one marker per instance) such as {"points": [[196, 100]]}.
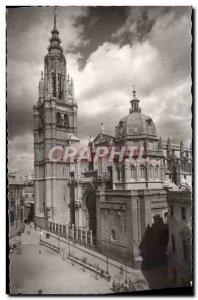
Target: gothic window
{"points": [[118, 173], [183, 213], [59, 87], [123, 173], [21, 214], [185, 250], [142, 172], [151, 171], [66, 120], [12, 217], [157, 171], [53, 84], [113, 235], [132, 172], [58, 119], [173, 243]]}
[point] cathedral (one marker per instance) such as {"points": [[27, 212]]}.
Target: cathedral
{"points": [[117, 205]]}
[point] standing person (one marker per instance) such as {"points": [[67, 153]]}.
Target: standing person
{"points": [[113, 285]]}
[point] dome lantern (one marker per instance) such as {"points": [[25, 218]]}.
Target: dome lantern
{"points": [[134, 103]]}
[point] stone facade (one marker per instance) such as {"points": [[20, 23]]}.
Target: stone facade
{"points": [[55, 116], [136, 200]]}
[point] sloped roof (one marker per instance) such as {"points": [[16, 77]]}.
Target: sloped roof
{"points": [[102, 137], [73, 138]]}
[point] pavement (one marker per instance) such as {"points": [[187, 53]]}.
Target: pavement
{"points": [[34, 267], [94, 257]]}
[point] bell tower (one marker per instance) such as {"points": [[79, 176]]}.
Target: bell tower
{"points": [[55, 116]]}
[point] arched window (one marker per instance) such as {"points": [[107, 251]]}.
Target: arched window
{"points": [[132, 172], [58, 119], [157, 171], [118, 173], [142, 172], [59, 87], [113, 235], [166, 217], [66, 120], [53, 84], [123, 173], [151, 171]]}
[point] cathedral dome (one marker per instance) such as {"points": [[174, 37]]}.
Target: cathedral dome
{"points": [[136, 123]]}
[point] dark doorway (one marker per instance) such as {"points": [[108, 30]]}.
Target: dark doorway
{"points": [[91, 207], [31, 213]]}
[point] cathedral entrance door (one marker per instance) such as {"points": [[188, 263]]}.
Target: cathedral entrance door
{"points": [[91, 208]]}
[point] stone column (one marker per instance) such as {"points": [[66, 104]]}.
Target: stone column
{"points": [[91, 238], [127, 171], [62, 229], [81, 236], [73, 231], [76, 215], [137, 171], [86, 237], [77, 233], [114, 175], [67, 231]]}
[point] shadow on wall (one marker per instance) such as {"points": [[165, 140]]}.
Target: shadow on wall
{"points": [[153, 249]]}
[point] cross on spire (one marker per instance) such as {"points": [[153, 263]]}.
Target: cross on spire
{"points": [[55, 15], [134, 91], [134, 102], [102, 127]]}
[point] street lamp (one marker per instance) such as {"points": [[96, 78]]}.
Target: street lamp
{"points": [[59, 243], [125, 269], [68, 247], [107, 262], [40, 234]]}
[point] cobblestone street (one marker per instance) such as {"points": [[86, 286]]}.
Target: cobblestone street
{"points": [[39, 268]]}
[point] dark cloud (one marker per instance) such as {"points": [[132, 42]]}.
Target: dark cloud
{"points": [[99, 25], [107, 49]]}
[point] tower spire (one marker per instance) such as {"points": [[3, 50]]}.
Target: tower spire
{"points": [[55, 15], [55, 40]]}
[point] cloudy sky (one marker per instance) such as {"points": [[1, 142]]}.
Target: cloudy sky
{"points": [[108, 49]]}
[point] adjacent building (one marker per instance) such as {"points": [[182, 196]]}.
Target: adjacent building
{"points": [[180, 237], [16, 197], [20, 202], [29, 203]]}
